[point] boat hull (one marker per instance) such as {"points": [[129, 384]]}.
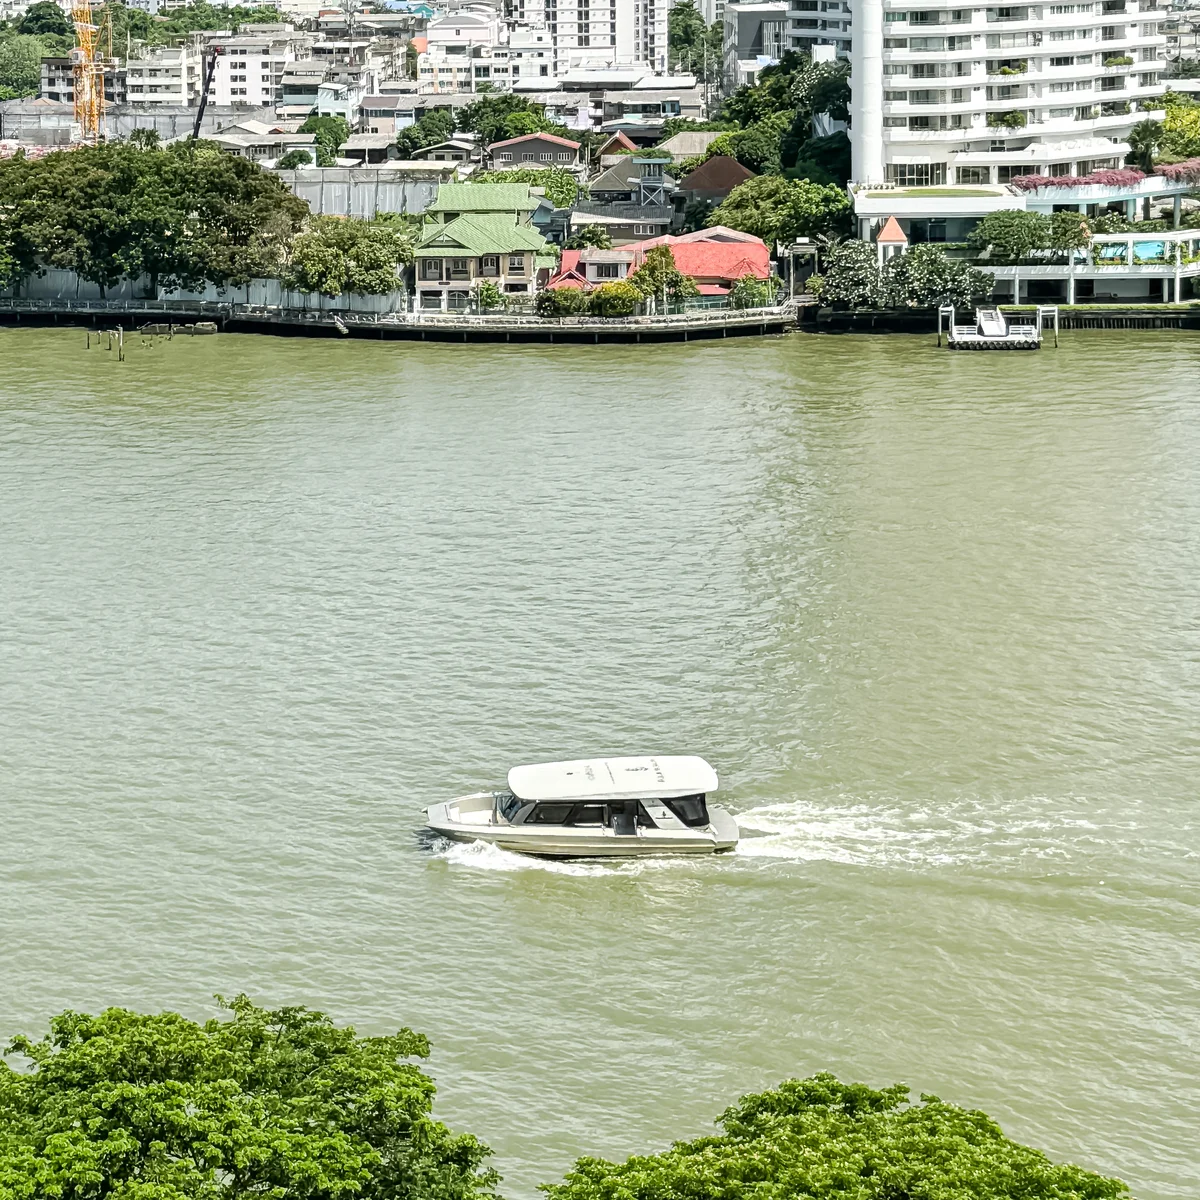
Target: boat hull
{"points": [[721, 835]]}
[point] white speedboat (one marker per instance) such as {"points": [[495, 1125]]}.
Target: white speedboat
{"points": [[596, 807]]}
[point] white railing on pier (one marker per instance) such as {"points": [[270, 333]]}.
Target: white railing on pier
{"points": [[694, 319]]}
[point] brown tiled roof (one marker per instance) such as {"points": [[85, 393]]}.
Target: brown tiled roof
{"points": [[717, 174]]}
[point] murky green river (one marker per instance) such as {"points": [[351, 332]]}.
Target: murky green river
{"points": [[935, 618]]}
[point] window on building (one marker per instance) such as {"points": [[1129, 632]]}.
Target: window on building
{"points": [[917, 174], [608, 270], [1055, 170], [431, 268], [516, 264], [973, 175]]}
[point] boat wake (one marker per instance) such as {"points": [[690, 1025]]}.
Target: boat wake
{"points": [[485, 857], [885, 833]]}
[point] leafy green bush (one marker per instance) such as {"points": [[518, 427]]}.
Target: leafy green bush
{"points": [[1007, 120], [1069, 230], [561, 302], [820, 1139], [926, 277], [850, 276], [615, 300], [262, 1103], [1011, 234]]}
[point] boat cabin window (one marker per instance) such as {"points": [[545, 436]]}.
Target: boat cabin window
{"points": [[588, 814], [691, 810], [550, 814]]}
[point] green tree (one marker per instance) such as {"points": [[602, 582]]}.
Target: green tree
{"points": [[850, 276], [778, 209], [620, 299], [757, 147], [1144, 140], [1010, 234], [822, 160], [343, 254], [45, 17], [926, 277], [21, 64], [1069, 230], [293, 159], [820, 1139], [772, 93], [691, 44], [434, 127], [330, 133], [659, 277], [260, 1103], [182, 215], [505, 115], [590, 235]]}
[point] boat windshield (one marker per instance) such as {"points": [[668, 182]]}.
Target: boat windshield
{"points": [[507, 804], [691, 810]]}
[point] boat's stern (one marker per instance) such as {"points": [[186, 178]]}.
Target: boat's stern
{"points": [[725, 829]]}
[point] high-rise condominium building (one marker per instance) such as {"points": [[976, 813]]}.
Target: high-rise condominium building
{"points": [[599, 32], [981, 95]]}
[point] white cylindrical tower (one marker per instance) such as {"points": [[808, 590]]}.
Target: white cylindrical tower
{"points": [[866, 87]]}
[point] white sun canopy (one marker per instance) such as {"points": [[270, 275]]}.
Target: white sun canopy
{"points": [[660, 777]]}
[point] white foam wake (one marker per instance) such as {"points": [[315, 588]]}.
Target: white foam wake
{"points": [[886, 833], [482, 856]]}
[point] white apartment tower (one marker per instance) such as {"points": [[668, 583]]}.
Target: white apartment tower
{"points": [[983, 94], [599, 32]]}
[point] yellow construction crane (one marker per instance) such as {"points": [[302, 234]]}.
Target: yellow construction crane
{"points": [[88, 67]]}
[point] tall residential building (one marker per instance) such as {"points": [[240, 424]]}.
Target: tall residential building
{"points": [[250, 71], [599, 33], [167, 76], [983, 94]]}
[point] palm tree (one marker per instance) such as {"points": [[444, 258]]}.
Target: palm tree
{"points": [[1144, 139]]}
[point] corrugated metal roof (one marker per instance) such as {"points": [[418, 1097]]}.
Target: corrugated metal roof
{"points": [[484, 198], [479, 233]]}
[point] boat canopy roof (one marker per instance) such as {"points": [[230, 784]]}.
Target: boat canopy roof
{"points": [[658, 777]]}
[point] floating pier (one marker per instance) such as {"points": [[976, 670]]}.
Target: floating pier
{"points": [[992, 330]]}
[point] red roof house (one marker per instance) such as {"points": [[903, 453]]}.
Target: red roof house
{"points": [[715, 258]]}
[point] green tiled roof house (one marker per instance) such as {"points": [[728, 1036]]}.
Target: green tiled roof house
{"points": [[479, 232]]}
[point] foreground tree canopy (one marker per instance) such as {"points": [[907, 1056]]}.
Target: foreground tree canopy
{"points": [[820, 1139], [261, 1104], [283, 1105]]}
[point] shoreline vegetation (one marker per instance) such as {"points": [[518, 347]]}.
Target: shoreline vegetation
{"points": [[284, 1103]]}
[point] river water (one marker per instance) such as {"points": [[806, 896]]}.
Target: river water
{"points": [[934, 618]]}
